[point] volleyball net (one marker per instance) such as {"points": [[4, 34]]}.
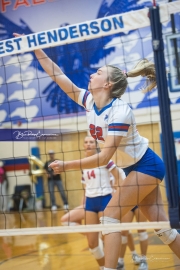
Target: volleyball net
{"points": [[37, 116]]}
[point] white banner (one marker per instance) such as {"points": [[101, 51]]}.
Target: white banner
{"points": [[84, 31]]}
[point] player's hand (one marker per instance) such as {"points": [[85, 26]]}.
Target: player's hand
{"points": [[57, 166], [17, 35]]}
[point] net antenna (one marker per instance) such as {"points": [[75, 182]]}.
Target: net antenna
{"points": [[154, 3]]}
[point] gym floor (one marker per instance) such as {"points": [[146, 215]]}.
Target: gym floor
{"points": [[65, 251]]}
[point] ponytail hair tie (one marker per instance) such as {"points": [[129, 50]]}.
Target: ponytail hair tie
{"points": [[125, 73]]}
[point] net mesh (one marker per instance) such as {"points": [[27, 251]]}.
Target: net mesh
{"points": [[36, 116]]}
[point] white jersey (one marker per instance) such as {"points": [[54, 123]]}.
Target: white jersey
{"points": [[116, 119], [122, 176], [97, 180], [112, 179]]}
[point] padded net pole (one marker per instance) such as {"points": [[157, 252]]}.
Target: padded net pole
{"points": [[165, 115]]}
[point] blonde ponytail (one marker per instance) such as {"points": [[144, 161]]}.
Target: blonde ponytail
{"points": [[145, 68]]}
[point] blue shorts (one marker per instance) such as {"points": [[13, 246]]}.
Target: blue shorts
{"points": [[97, 204], [134, 208], [150, 164]]}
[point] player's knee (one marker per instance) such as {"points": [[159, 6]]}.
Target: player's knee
{"points": [[124, 239], [92, 243], [143, 236], [97, 252], [109, 221], [125, 233], [167, 236]]}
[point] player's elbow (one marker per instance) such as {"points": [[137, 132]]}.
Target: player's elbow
{"points": [[104, 159]]}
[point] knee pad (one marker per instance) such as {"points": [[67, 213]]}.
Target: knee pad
{"points": [[143, 236], [124, 239], [97, 252], [167, 236], [110, 221]]}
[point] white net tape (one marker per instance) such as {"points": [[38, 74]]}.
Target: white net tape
{"points": [[84, 228]]}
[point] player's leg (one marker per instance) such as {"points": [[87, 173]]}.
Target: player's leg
{"points": [[52, 196], [131, 193], [3, 196], [102, 202], [94, 210], [60, 187], [74, 217], [124, 240], [143, 236], [93, 239], [135, 256], [153, 210], [131, 242], [143, 240]]}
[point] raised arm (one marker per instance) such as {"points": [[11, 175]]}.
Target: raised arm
{"points": [[56, 74]]}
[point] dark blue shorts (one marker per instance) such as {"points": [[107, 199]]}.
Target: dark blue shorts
{"points": [[97, 204], [150, 164], [134, 208]]}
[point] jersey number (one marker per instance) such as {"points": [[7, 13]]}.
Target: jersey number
{"points": [[91, 174], [96, 132]]}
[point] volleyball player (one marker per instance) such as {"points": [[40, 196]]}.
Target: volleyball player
{"points": [[111, 121], [126, 238], [98, 192], [75, 216]]}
